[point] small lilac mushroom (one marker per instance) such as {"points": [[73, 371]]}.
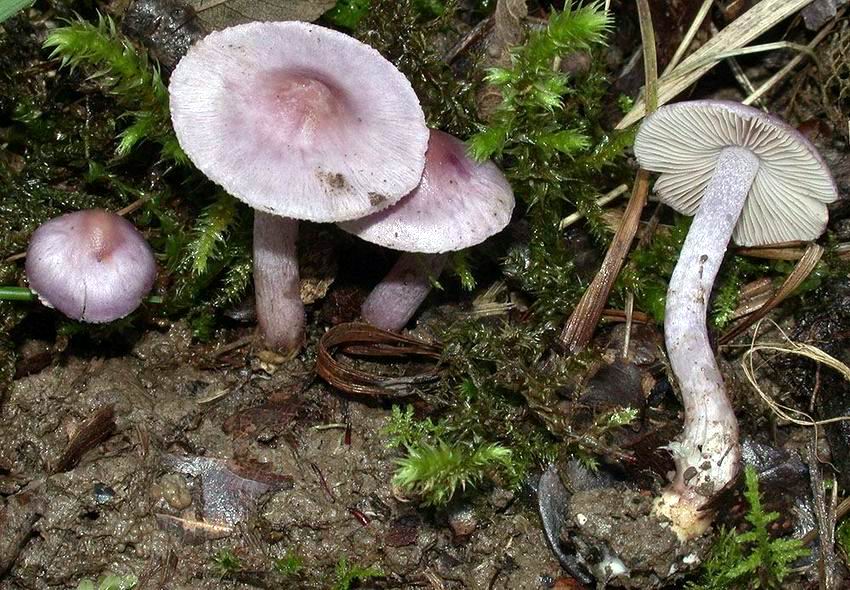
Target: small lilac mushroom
{"points": [[93, 266], [299, 122], [743, 175], [459, 203]]}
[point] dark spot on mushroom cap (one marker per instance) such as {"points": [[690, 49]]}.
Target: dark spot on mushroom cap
{"points": [[376, 199], [334, 180]]}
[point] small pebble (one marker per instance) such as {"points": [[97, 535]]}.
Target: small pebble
{"points": [[173, 489], [462, 521], [103, 493]]}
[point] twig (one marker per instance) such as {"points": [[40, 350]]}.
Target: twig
{"points": [[825, 514], [789, 67], [689, 36], [601, 201], [467, 40], [800, 273], [580, 326], [841, 511], [630, 308]]}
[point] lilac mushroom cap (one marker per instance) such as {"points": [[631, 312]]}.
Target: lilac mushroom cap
{"points": [[299, 121], [459, 203], [93, 265]]}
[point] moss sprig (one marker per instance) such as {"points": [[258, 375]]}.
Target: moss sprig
{"points": [[753, 559], [435, 472], [106, 56], [530, 116]]}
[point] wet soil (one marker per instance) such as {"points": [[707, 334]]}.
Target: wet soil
{"points": [[210, 453]]}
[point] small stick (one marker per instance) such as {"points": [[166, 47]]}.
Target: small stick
{"points": [[826, 518], [630, 308], [467, 40], [803, 269], [840, 512], [689, 37], [581, 324], [601, 201]]}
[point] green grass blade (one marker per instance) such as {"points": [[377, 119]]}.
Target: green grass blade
{"points": [[9, 8]]}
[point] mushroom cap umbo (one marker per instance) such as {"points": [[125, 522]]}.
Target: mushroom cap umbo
{"points": [[459, 203], [788, 197], [298, 120], [92, 265]]}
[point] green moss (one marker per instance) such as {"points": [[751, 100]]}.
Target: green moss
{"points": [[752, 559], [289, 565], [226, 563], [348, 574], [126, 74], [400, 31], [110, 582]]}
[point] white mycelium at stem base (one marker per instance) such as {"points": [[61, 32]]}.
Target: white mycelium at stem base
{"points": [[707, 455]]}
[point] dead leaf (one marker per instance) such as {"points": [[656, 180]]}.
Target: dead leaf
{"points": [[230, 490], [508, 30], [218, 14]]}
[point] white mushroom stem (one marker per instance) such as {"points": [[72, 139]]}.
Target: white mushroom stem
{"points": [[707, 456], [393, 302], [276, 282]]}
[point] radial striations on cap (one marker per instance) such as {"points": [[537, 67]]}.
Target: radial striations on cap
{"points": [[788, 197], [458, 204], [298, 120], [93, 265]]}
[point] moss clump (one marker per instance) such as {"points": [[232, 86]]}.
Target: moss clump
{"points": [[752, 559], [407, 35]]}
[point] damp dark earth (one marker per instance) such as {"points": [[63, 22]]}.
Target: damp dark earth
{"points": [[438, 294]]}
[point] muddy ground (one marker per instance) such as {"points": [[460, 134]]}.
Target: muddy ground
{"points": [[158, 498]]}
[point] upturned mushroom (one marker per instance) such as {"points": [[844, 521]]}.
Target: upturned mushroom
{"points": [[743, 175], [459, 203], [299, 122], [93, 266]]}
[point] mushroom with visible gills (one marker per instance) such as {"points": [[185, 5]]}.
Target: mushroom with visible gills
{"points": [[743, 175], [299, 122], [93, 266], [459, 203]]}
